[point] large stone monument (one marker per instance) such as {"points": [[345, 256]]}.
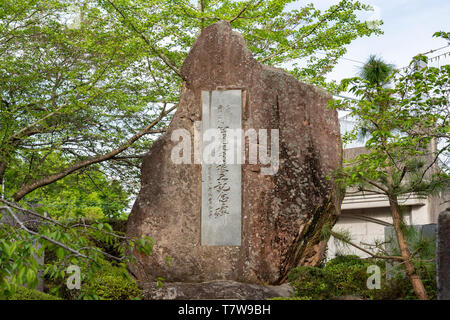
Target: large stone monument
{"points": [[247, 222]]}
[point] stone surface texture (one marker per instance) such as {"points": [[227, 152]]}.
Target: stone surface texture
{"points": [[282, 214], [219, 289]]}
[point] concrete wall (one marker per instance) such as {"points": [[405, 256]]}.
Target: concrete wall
{"points": [[363, 231], [363, 216], [359, 210]]}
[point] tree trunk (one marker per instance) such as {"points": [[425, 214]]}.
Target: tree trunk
{"points": [[416, 282], [2, 174]]}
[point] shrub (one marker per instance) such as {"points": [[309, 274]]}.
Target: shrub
{"points": [[347, 275], [109, 281], [292, 298], [311, 282], [23, 293], [399, 286], [113, 286], [341, 276], [112, 283], [346, 260]]}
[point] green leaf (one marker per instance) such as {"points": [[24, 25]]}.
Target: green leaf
{"points": [[60, 253]]}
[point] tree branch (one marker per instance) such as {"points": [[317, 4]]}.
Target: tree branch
{"points": [[152, 47], [243, 10], [339, 237], [12, 205], [59, 244], [87, 162], [303, 36]]}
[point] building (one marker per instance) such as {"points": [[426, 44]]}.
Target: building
{"points": [[365, 216]]}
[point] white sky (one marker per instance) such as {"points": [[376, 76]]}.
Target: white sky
{"points": [[408, 28]]}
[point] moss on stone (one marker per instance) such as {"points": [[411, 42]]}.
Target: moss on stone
{"points": [[23, 293]]}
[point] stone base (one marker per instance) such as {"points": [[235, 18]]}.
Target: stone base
{"points": [[214, 290]]}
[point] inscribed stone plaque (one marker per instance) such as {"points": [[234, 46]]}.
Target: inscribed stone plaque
{"points": [[221, 178]]}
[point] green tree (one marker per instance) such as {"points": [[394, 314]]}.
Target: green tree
{"points": [[87, 86], [97, 91], [376, 71], [88, 193], [409, 134]]}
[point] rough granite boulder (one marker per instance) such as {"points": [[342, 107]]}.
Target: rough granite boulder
{"points": [[282, 214]]}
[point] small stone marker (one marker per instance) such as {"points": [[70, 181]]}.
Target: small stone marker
{"points": [[443, 256], [221, 181]]}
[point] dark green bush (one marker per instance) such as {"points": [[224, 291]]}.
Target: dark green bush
{"points": [[110, 282], [113, 286], [292, 298], [351, 260], [342, 276], [311, 282], [399, 286], [347, 275], [23, 293]]}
